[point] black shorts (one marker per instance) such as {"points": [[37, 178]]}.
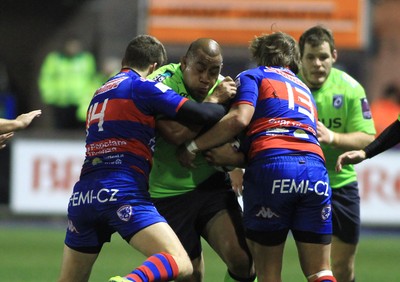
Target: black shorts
{"points": [[346, 213], [189, 213]]}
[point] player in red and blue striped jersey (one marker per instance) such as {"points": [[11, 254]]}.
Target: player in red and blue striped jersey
{"points": [[112, 192], [286, 185]]}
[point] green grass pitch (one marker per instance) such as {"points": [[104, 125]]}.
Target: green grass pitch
{"points": [[33, 254]]}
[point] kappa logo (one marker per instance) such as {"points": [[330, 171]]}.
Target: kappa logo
{"points": [[71, 227], [125, 212], [266, 213]]}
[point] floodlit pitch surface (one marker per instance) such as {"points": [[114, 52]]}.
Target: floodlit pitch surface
{"points": [[33, 254]]}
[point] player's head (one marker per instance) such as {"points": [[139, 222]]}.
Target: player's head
{"points": [[72, 46], [277, 49], [201, 67], [318, 53], [392, 92], [316, 36], [144, 51]]}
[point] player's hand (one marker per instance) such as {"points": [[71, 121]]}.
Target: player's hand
{"points": [[185, 157], [351, 157], [324, 134], [4, 138], [26, 119], [225, 91], [224, 155], [236, 177]]}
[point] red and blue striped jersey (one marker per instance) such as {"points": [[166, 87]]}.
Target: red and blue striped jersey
{"points": [[285, 116], [120, 123]]}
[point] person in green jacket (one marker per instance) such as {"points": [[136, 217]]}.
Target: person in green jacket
{"points": [[198, 202], [345, 123], [66, 77]]}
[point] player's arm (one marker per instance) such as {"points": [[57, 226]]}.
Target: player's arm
{"points": [[225, 155], [175, 132], [178, 132], [345, 141], [200, 113], [21, 122], [228, 127], [350, 157], [386, 140], [190, 119], [359, 126]]}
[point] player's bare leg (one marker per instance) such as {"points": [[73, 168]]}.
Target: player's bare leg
{"points": [[198, 271], [268, 261], [76, 266], [222, 236], [343, 259], [314, 258]]}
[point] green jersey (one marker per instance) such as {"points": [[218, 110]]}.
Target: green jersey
{"points": [[342, 107], [167, 176]]}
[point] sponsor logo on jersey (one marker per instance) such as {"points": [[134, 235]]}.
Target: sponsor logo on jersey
{"points": [[110, 85], [332, 123], [162, 76], [101, 196], [292, 186]]}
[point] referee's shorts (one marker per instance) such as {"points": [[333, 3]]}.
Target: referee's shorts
{"points": [[346, 221]]}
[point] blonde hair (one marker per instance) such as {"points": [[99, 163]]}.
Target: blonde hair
{"points": [[277, 49]]}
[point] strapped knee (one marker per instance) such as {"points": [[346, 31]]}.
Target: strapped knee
{"points": [[322, 276]]}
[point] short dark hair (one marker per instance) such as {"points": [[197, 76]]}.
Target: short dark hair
{"points": [[276, 49], [144, 50], [391, 91], [315, 36]]}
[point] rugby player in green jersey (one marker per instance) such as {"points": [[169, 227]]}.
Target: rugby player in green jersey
{"points": [[198, 202], [345, 123]]}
